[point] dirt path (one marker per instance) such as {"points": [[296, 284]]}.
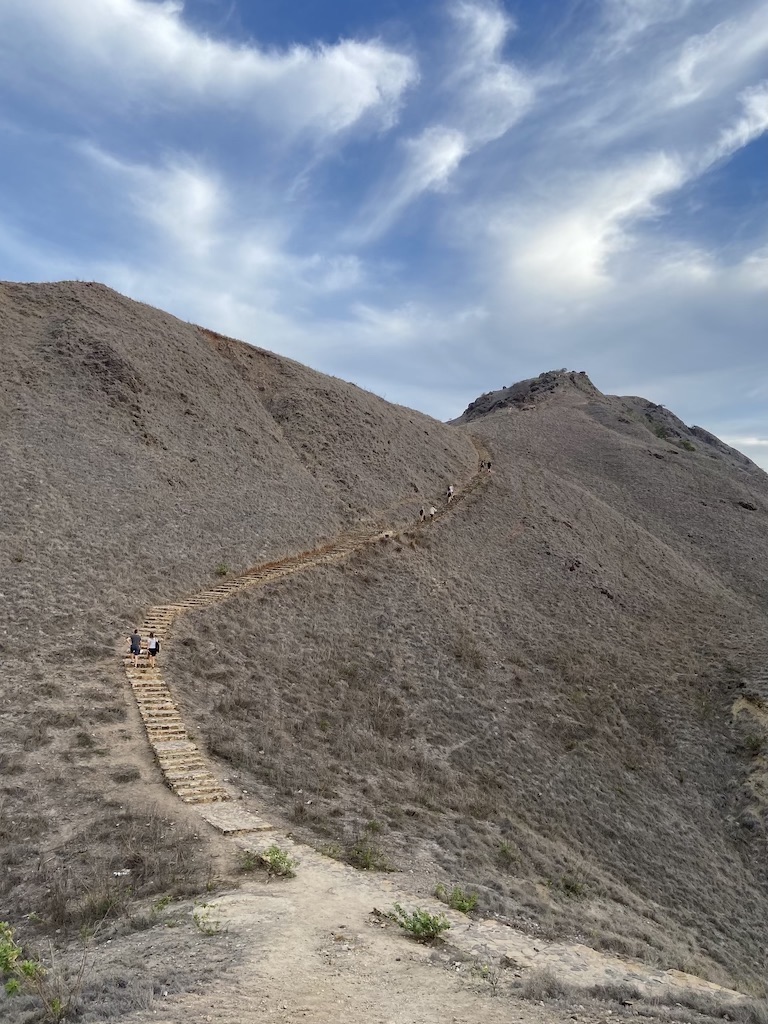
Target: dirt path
{"points": [[311, 947]]}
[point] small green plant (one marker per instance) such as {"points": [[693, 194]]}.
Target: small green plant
{"points": [[21, 975], [203, 917], [753, 743], [222, 569], [331, 849], [570, 886], [457, 899], [661, 431], [248, 860], [420, 924], [488, 973], [506, 854], [278, 862], [366, 855], [687, 445]]}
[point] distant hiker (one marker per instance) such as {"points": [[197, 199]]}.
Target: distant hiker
{"points": [[135, 647], [153, 648], [432, 511], [449, 493], [422, 514], [488, 466]]}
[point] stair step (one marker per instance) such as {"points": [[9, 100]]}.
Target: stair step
{"points": [[188, 780], [211, 788], [204, 798]]}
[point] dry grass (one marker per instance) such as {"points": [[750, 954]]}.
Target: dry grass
{"points": [[570, 754], [539, 688]]}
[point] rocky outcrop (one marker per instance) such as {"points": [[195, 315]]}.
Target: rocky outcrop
{"points": [[526, 392]]}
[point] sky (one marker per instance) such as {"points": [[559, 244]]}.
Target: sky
{"points": [[432, 200]]}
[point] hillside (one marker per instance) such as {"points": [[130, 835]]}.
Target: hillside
{"points": [[533, 697], [537, 695], [141, 456]]}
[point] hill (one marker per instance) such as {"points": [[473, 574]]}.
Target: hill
{"points": [[551, 697], [538, 695]]}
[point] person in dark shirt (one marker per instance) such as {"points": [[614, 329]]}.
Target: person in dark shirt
{"points": [[135, 647]]}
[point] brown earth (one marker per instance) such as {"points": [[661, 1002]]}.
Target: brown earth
{"points": [[532, 698]]}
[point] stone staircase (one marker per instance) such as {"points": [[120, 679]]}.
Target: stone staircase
{"points": [[184, 768]]}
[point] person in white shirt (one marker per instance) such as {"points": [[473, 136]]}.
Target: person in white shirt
{"points": [[153, 648]]}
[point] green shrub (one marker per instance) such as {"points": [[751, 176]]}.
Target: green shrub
{"points": [[506, 854], [248, 860], [203, 917], [366, 855], [278, 862], [570, 886], [753, 743], [222, 569], [423, 926], [457, 899]]}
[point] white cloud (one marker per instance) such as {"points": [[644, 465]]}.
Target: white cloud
{"points": [[752, 123], [485, 97], [629, 19], [429, 161], [139, 50], [183, 201], [491, 95], [752, 442], [708, 63], [566, 252]]}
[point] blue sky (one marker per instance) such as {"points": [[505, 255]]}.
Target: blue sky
{"points": [[433, 200]]}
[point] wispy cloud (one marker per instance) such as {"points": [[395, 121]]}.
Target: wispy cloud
{"points": [[137, 51], [483, 97], [567, 249], [750, 125]]}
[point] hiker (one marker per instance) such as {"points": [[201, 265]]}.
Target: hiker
{"points": [[422, 514], [135, 647], [432, 511], [153, 649], [488, 466], [449, 493]]}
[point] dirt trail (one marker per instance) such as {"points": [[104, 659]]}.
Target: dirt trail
{"points": [[312, 948]]}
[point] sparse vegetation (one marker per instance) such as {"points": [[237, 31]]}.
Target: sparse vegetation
{"points": [[222, 569], [55, 989], [570, 886], [249, 861], [205, 919], [457, 898], [506, 855], [366, 854], [278, 863], [420, 924]]}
